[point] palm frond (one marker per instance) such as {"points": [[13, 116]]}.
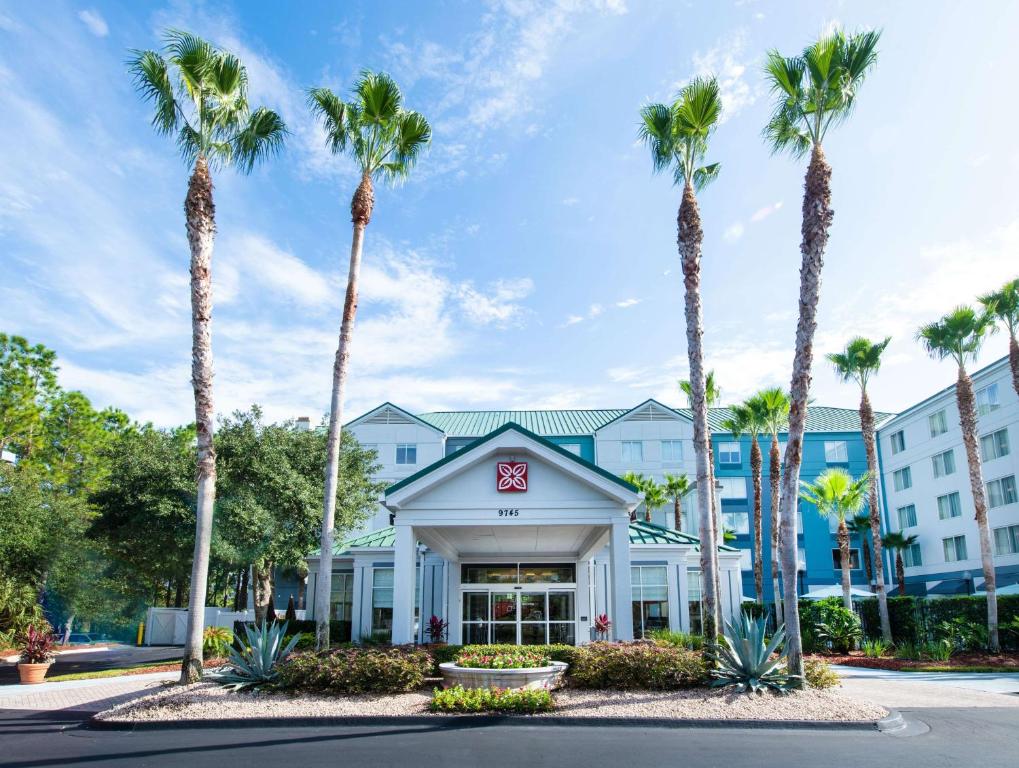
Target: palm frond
{"points": [[379, 96], [152, 80], [656, 133], [193, 58], [413, 133], [261, 137], [785, 132], [705, 175], [335, 115], [189, 143], [699, 107], [784, 75]]}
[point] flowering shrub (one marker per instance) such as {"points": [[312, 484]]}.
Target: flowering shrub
{"points": [[639, 664], [357, 670], [556, 652], [460, 699], [37, 646], [436, 629], [518, 659], [216, 642], [818, 674], [602, 626]]}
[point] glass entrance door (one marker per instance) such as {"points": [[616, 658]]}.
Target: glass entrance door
{"points": [[520, 617]]}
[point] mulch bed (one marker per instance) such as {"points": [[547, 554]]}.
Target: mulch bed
{"points": [[1009, 661]]}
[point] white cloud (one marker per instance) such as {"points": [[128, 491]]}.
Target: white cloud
{"points": [[570, 201], [574, 319], [274, 271], [626, 303], [728, 61], [595, 310], [95, 22], [500, 305], [733, 232], [764, 212]]}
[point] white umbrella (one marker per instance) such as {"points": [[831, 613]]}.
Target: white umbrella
{"points": [[1011, 589], [820, 593]]}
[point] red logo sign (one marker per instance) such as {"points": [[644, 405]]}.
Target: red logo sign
{"points": [[511, 476]]}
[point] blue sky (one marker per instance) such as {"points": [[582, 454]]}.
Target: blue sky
{"points": [[531, 259]]}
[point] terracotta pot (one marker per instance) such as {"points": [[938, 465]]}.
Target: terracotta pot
{"points": [[32, 674]]}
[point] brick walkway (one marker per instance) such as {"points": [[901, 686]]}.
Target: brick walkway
{"points": [[81, 695]]}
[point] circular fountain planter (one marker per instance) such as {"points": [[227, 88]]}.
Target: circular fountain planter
{"points": [[532, 677]]}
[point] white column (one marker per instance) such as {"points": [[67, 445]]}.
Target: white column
{"points": [[582, 603], [675, 618], [454, 611], [619, 554], [683, 580], [404, 563], [357, 604]]}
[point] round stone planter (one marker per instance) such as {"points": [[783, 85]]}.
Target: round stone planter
{"points": [[534, 677]]}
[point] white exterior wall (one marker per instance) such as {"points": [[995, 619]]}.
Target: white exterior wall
{"points": [[919, 449]]}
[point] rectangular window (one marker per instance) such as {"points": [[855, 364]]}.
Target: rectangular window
{"points": [[994, 445], [573, 448], [406, 453], [854, 559], [898, 441], [732, 487], [650, 598], [955, 548], [911, 556], [746, 560], [632, 451], [693, 590], [902, 479], [943, 463], [672, 450], [1001, 491], [729, 453], [382, 603], [949, 506], [987, 399], [907, 516], [1006, 540], [836, 452], [938, 423], [341, 602], [737, 522]]}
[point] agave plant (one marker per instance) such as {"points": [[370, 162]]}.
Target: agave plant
{"points": [[747, 660], [254, 663]]}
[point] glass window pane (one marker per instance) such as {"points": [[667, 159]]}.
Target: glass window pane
{"points": [[505, 633], [475, 606], [504, 606], [560, 606], [488, 574], [561, 633], [532, 634], [656, 593], [475, 634], [547, 573], [532, 606], [382, 577]]}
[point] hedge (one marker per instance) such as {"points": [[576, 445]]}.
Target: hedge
{"points": [[357, 670], [913, 618], [637, 665]]}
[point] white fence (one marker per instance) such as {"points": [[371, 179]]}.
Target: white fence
{"points": [[168, 626]]}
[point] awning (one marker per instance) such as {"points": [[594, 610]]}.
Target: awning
{"points": [[821, 593]]}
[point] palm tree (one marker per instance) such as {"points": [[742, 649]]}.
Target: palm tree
{"points": [[860, 525], [677, 135], [747, 418], [1003, 306], [775, 410], [837, 495], [813, 91], [898, 543], [676, 487], [384, 140], [858, 362], [959, 336], [200, 95], [654, 497]]}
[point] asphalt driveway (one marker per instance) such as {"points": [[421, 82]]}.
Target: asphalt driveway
{"points": [[94, 660]]}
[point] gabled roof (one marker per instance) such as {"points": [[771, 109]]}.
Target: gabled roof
{"points": [[820, 418], [387, 413], [647, 411]]}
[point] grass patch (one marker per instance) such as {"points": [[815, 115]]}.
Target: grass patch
{"points": [[969, 668], [135, 669]]}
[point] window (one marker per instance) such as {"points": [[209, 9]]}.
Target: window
{"points": [[836, 452], [672, 450], [1006, 540], [854, 559], [519, 573], [955, 548], [949, 506], [938, 423], [902, 479], [382, 603], [371, 447], [632, 451], [573, 448], [732, 487], [898, 442], [693, 590], [911, 556], [341, 602], [987, 399], [729, 453], [406, 453], [943, 463], [1001, 491], [650, 598], [737, 522], [746, 560], [994, 445], [907, 516]]}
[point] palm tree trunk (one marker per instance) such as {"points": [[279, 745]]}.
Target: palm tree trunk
{"points": [[868, 566], [360, 209], [968, 421], [1013, 361], [201, 228], [870, 445], [677, 513], [756, 463], [817, 218], [775, 477], [846, 564], [717, 535], [900, 572], [689, 240]]}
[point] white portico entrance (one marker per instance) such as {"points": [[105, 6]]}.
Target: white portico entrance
{"points": [[518, 521]]}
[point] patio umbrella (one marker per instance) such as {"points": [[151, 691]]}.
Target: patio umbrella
{"points": [[820, 593]]}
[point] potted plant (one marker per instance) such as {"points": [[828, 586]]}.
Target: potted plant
{"points": [[436, 629], [36, 656], [602, 626]]}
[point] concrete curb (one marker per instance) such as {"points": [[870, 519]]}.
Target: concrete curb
{"points": [[894, 722]]}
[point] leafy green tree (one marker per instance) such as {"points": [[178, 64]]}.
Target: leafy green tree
{"points": [[676, 487], [860, 360], [959, 336], [774, 405], [860, 525], [200, 95], [384, 140], [812, 92], [897, 542], [1003, 306], [28, 381]]}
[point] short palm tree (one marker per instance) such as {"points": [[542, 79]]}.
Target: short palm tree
{"points": [[384, 140], [860, 525], [836, 494], [677, 135], [1003, 306], [899, 543], [812, 92], [959, 336], [746, 419], [654, 497], [200, 96], [860, 360], [774, 403], [676, 487]]}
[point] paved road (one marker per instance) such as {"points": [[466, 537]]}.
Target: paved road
{"points": [[114, 657], [986, 737]]}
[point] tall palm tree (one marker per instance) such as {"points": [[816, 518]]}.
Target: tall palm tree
{"points": [[200, 95], [677, 135], [959, 336], [654, 497], [676, 487], [858, 362], [860, 525], [774, 403], [899, 543], [384, 140], [836, 494], [1003, 306], [746, 419], [813, 91]]}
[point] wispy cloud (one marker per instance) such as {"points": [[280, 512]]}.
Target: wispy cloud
{"points": [[95, 22], [733, 232], [626, 303], [764, 212], [728, 61]]}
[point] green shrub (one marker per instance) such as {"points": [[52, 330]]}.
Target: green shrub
{"points": [[677, 639], [216, 642], [962, 634], [521, 658], [640, 664], [357, 670], [874, 649], [840, 630], [460, 699], [256, 661], [937, 650], [19, 610], [907, 651], [818, 674], [747, 659], [914, 619]]}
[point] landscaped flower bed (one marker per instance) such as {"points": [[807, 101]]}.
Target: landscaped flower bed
{"points": [[357, 670], [960, 662], [518, 659], [460, 699], [514, 669]]}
